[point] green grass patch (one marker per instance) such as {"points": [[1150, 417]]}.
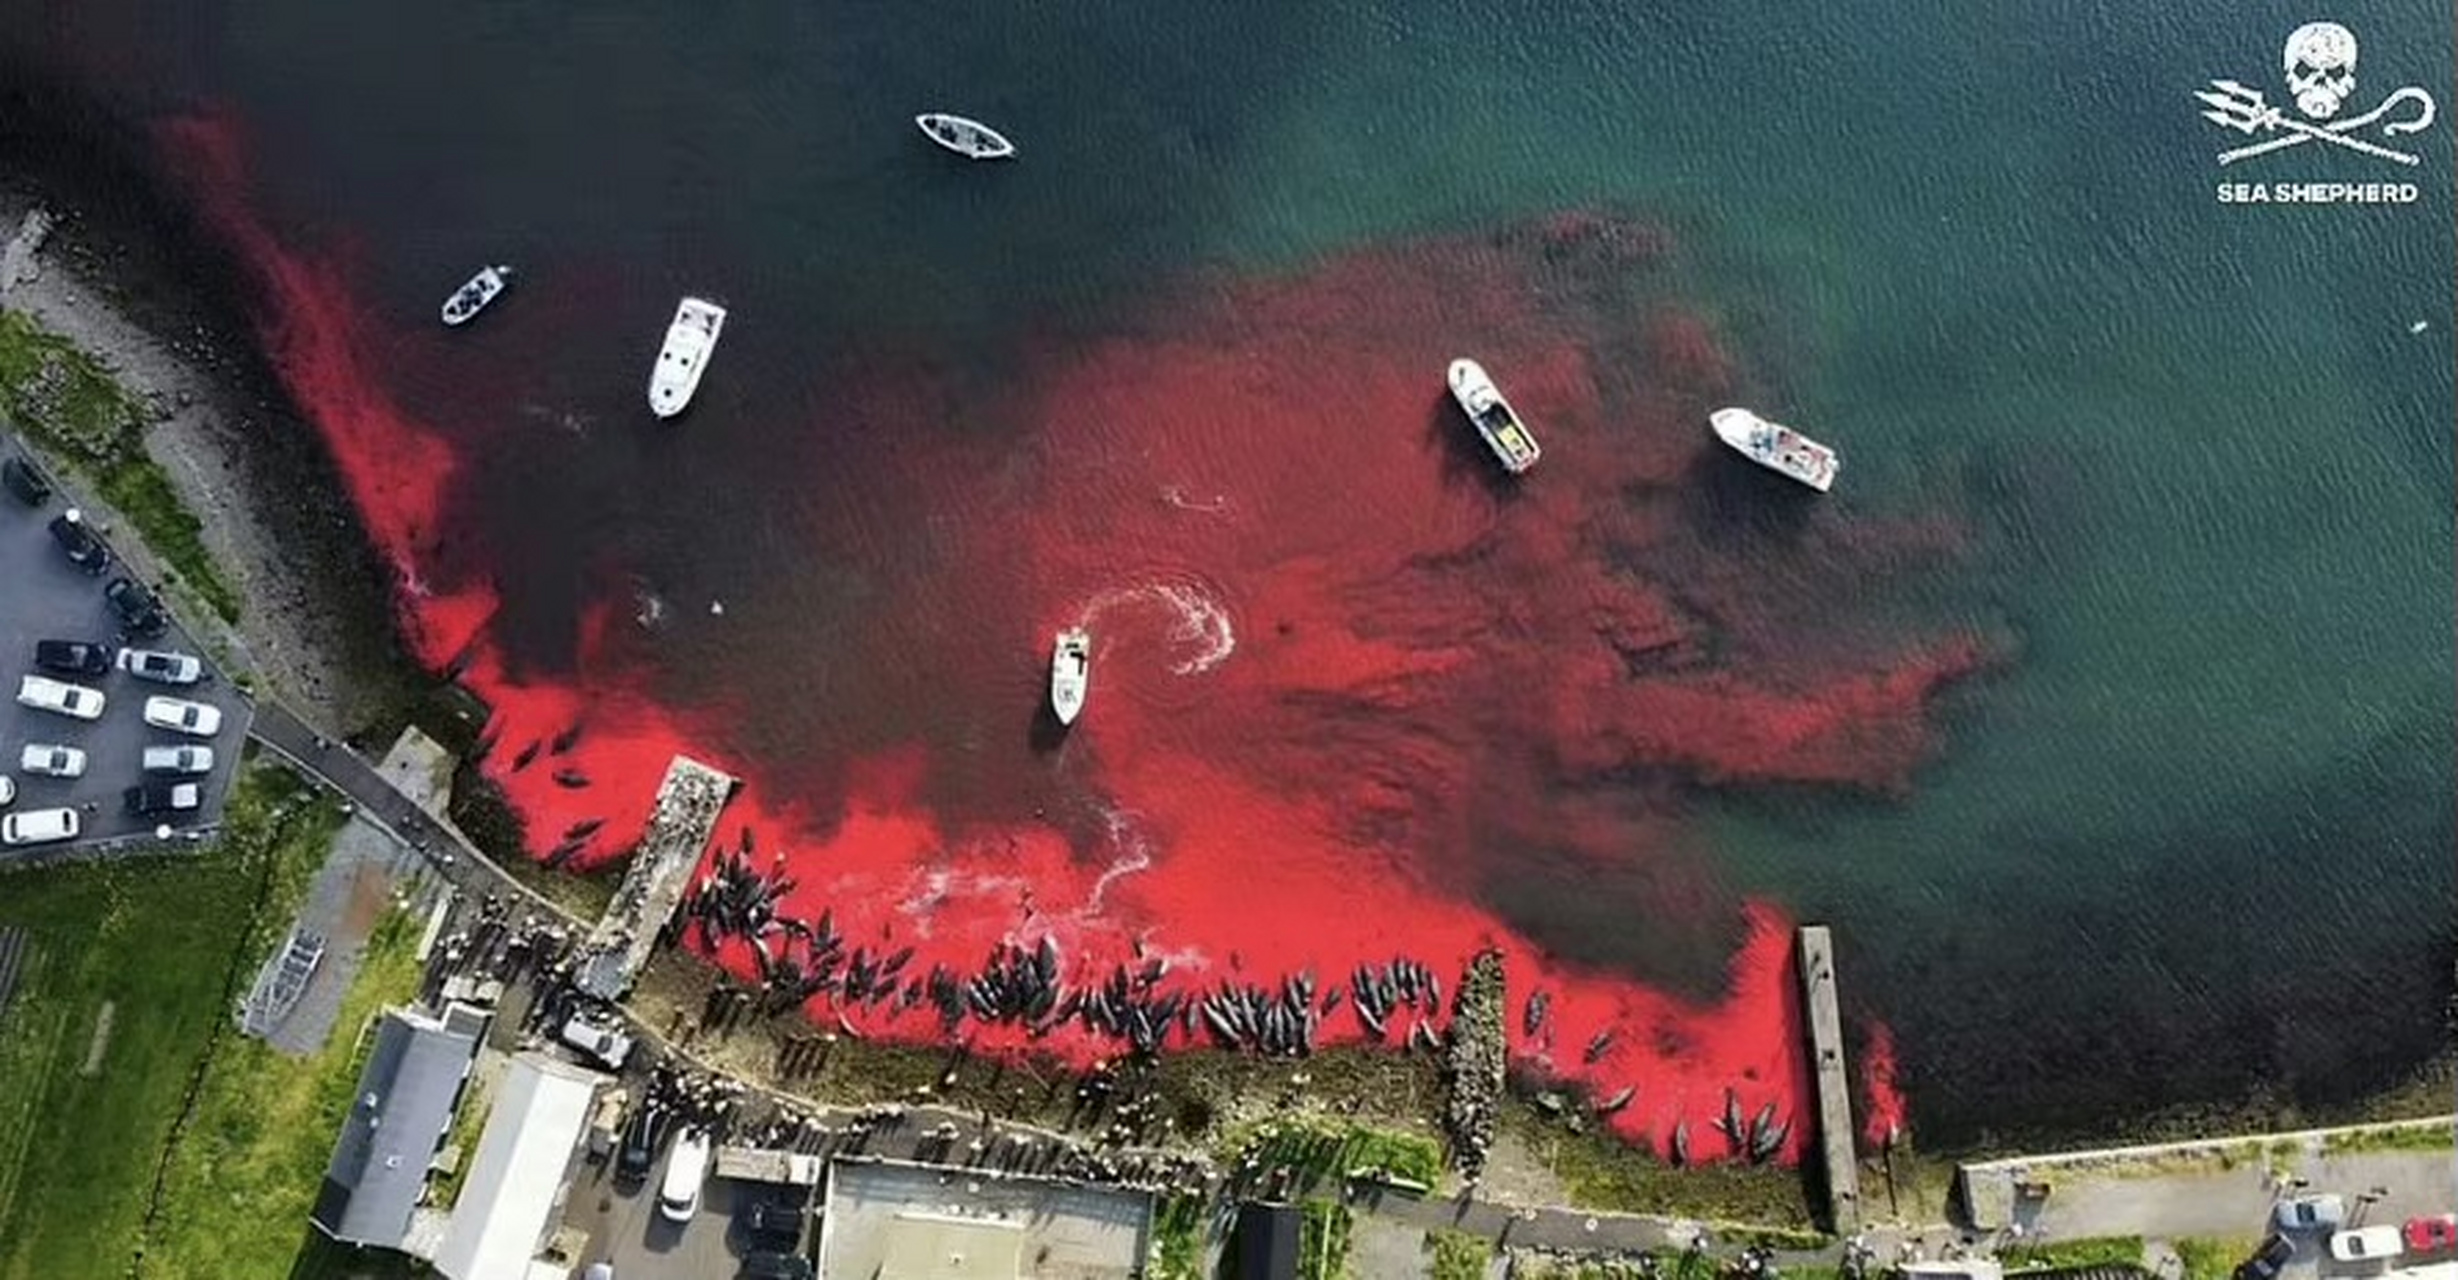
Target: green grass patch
{"points": [[1323, 1241], [2401, 1137], [1783, 1238], [79, 413], [170, 943], [2092, 1251], [1598, 1171], [1457, 1255], [256, 1144], [1177, 1238], [2206, 1259], [1325, 1150]]}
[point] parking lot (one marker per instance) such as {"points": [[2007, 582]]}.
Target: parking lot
{"points": [[624, 1227], [48, 598]]}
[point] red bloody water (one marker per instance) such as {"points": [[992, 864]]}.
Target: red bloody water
{"points": [[1345, 678]]}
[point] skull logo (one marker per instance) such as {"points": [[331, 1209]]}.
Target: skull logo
{"points": [[2321, 67]]}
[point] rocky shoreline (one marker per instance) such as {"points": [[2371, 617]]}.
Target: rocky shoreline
{"points": [[122, 274]]}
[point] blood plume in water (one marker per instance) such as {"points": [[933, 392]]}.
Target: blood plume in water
{"points": [[1346, 678], [1882, 1102]]}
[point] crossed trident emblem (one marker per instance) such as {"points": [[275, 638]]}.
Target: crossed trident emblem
{"points": [[2238, 106]]}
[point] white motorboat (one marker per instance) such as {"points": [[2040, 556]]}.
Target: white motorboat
{"points": [[1495, 420], [470, 299], [968, 138], [690, 341], [1070, 673], [1777, 447]]}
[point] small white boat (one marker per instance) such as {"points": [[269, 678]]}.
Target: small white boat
{"points": [[471, 298], [1495, 420], [968, 138], [1777, 447], [1070, 673], [690, 340]]}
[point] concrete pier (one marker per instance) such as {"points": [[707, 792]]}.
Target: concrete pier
{"points": [[680, 827], [1835, 1137]]}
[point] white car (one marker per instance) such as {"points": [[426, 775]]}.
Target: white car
{"points": [[51, 760], [8, 788], [39, 826], [195, 718], [181, 759], [157, 665], [2367, 1244], [46, 694], [678, 1197]]}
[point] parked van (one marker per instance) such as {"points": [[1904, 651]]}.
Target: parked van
{"points": [[2366, 1244], [39, 826], [599, 1038], [678, 1197]]}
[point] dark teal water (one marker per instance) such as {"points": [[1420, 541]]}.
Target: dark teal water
{"points": [[2194, 841]]}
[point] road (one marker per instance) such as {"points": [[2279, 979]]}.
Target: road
{"points": [[377, 800]]}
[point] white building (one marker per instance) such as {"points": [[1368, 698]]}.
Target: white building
{"points": [[520, 1175]]}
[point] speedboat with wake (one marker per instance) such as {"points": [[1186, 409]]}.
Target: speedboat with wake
{"points": [[1777, 447], [470, 299], [1070, 673], [968, 138], [1495, 420], [690, 340]]}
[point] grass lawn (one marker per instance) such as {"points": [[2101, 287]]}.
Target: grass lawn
{"points": [[1457, 1255], [168, 945], [1601, 1172], [2090, 1251], [1324, 1150], [1178, 1235], [254, 1150], [1323, 1241]]}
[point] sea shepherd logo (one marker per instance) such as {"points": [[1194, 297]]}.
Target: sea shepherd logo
{"points": [[2320, 63]]}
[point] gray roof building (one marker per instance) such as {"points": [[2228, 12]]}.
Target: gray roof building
{"points": [[397, 1122]]}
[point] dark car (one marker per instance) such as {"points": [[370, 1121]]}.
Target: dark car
{"points": [[138, 611], [641, 1139], [776, 1266], [84, 549], [26, 481], [774, 1219], [163, 797], [2265, 1264], [72, 657]]}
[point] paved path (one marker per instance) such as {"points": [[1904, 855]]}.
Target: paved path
{"points": [[379, 802], [2233, 1203]]}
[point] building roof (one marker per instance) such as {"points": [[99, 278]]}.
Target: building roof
{"points": [[935, 1246], [509, 1198], [1266, 1241], [404, 1105]]}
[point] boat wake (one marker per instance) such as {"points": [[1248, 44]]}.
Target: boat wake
{"points": [[936, 890], [1217, 504], [1200, 630], [1201, 622], [1132, 850]]}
